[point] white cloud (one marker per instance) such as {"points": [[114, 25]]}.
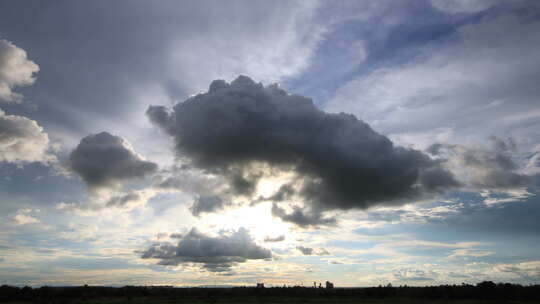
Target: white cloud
{"points": [[23, 217], [23, 140], [492, 198], [15, 70]]}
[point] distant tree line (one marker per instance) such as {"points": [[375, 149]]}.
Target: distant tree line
{"points": [[486, 290]]}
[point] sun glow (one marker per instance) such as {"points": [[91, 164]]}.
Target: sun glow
{"points": [[267, 187], [257, 219]]}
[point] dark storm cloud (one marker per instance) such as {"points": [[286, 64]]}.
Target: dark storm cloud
{"points": [[487, 168], [341, 163], [303, 217], [437, 179], [216, 254], [207, 204], [104, 159]]}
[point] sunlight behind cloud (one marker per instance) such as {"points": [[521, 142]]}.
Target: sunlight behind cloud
{"points": [[257, 219]]}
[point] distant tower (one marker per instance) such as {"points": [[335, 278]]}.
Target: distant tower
{"points": [[329, 285], [260, 285]]}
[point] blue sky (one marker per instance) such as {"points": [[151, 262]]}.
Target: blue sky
{"points": [[121, 164]]}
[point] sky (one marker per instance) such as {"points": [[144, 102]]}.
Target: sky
{"points": [[286, 142]]}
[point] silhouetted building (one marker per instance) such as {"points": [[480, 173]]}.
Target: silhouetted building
{"points": [[260, 285], [329, 285]]}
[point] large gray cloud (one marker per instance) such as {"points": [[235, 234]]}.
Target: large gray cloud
{"points": [[216, 254], [15, 70], [340, 162], [103, 160]]}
